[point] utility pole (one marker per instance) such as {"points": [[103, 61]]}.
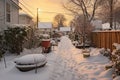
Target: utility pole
{"points": [[37, 17]]}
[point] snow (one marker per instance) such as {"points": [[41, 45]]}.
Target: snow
{"points": [[30, 59], [45, 25], [117, 78], [117, 46], [65, 29], [64, 63], [106, 26], [65, 44]]}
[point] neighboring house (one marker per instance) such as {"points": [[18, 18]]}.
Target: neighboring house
{"points": [[97, 24], [9, 13], [25, 19], [65, 30], [106, 26], [45, 27]]}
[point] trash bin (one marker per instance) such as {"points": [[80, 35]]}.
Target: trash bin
{"points": [[46, 46]]}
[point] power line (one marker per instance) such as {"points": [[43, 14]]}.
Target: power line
{"points": [[27, 8], [42, 11], [56, 12], [27, 4]]}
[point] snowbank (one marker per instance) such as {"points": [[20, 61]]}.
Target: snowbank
{"points": [[65, 44], [117, 78], [65, 63]]}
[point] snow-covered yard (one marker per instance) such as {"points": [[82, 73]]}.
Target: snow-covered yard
{"points": [[64, 63]]}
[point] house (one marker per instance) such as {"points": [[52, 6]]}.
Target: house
{"points": [[9, 13], [97, 24], [65, 30], [45, 27], [25, 19], [106, 26]]}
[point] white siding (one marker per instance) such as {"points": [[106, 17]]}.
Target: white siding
{"points": [[14, 15], [2, 14], [97, 24], [24, 19], [14, 11]]}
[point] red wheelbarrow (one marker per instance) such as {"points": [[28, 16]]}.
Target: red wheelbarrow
{"points": [[46, 46]]}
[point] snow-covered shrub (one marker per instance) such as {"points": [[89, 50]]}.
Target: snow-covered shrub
{"points": [[117, 78], [0, 46], [2, 49], [115, 57], [14, 38], [116, 61], [117, 46], [106, 52]]}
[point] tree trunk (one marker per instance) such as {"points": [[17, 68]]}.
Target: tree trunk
{"points": [[111, 14]]}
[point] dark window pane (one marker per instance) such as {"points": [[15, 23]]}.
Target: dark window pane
{"points": [[7, 12]]}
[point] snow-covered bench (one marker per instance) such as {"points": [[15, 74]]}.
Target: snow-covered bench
{"points": [[30, 61]]}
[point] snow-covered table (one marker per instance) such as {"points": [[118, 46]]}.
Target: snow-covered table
{"points": [[30, 61]]}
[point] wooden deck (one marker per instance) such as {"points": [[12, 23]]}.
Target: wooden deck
{"points": [[105, 39]]}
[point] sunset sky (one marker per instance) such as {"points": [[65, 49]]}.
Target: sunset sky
{"points": [[44, 5]]}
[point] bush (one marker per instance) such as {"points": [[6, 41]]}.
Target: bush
{"points": [[1, 46], [116, 61], [106, 52], [14, 38]]}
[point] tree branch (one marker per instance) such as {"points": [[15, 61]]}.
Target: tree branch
{"points": [[94, 9]]}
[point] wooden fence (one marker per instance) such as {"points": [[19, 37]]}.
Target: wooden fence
{"points": [[105, 39]]}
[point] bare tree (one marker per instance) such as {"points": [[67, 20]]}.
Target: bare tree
{"points": [[117, 14], [83, 36], [59, 19], [107, 10], [85, 7], [117, 17]]}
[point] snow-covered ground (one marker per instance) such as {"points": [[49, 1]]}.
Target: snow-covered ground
{"points": [[64, 63]]}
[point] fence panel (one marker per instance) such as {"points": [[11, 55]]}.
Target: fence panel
{"points": [[105, 39]]}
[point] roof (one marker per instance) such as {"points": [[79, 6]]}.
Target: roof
{"points": [[24, 14], [65, 29], [45, 25]]}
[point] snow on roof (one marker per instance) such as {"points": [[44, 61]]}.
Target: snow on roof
{"points": [[24, 14], [65, 29], [18, 25], [44, 25]]}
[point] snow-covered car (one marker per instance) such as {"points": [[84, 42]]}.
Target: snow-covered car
{"points": [[30, 61]]}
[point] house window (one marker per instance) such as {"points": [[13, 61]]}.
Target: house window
{"points": [[7, 12]]}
